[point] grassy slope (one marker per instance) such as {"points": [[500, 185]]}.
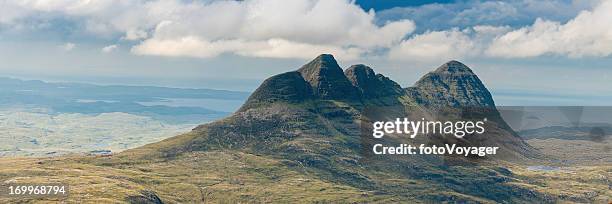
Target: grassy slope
{"points": [[216, 176], [230, 177]]}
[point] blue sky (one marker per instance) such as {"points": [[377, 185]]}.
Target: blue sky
{"points": [[528, 52], [387, 4]]}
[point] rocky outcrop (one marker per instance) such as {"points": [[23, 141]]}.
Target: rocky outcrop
{"points": [[145, 197], [371, 85], [289, 87]]}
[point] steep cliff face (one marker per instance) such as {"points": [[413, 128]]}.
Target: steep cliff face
{"points": [[452, 85]]}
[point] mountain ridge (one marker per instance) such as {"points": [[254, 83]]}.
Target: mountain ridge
{"points": [[452, 91], [452, 84], [316, 120]]}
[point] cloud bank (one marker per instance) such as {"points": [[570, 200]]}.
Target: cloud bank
{"points": [[462, 14], [305, 28], [258, 28], [589, 34]]}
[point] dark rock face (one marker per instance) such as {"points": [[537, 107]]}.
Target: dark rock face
{"points": [[327, 79], [370, 84], [145, 197], [288, 87], [453, 85]]}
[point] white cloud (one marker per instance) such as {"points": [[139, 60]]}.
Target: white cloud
{"points": [[109, 49], [464, 14], [287, 49], [304, 28], [273, 28], [448, 44], [434, 45], [190, 46], [9, 12], [68, 46], [135, 34], [260, 28], [588, 34]]}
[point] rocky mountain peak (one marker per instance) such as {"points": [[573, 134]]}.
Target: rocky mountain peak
{"points": [[370, 84], [452, 84], [454, 67], [327, 79]]}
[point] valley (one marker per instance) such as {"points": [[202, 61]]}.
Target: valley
{"points": [[40, 133], [44, 119]]}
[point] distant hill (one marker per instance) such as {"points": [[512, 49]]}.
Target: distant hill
{"points": [[49, 119], [593, 133], [95, 99]]}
